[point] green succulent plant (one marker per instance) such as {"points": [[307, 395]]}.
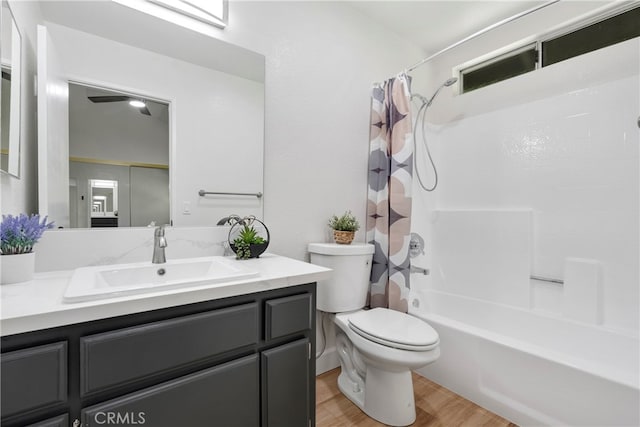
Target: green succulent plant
{"points": [[248, 236], [345, 222]]}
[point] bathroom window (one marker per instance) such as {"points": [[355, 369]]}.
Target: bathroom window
{"points": [[586, 36], [214, 12], [500, 68], [616, 29]]}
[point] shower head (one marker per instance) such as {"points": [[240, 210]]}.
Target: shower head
{"points": [[450, 81], [428, 102], [447, 83]]}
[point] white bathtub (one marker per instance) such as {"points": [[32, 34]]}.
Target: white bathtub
{"points": [[531, 368]]}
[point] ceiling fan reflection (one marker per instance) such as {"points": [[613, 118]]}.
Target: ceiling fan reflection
{"points": [[135, 102]]}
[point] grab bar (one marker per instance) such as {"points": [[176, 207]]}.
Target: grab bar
{"points": [[203, 193], [547, 279], [420, 270]]}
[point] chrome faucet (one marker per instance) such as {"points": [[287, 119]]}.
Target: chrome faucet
{"points": [[159, 243]]}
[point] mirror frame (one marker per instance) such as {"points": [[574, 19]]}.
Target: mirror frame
{"points": [[15, 104]]}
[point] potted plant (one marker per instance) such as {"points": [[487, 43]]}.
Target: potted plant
{"points": [[344, 227], [18, 235], [245, 240]]}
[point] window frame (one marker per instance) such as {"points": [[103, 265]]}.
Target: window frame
{"points": [[490, 61], [594, 17], [217, 21]]}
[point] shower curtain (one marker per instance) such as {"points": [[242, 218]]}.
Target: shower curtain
{"points": [[389, 193]]}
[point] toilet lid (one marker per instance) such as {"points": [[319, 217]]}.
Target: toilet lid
{"points": [[394, 329]]}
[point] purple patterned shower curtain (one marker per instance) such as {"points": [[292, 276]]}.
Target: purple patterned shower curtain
{"points": [[389, 193]]}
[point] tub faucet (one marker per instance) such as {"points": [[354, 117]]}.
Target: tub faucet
{"points": [[159, 243]]}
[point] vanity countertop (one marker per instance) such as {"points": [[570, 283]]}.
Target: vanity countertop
{"points": [[39, 304]]}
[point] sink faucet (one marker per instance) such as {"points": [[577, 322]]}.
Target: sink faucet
{"points": [[159, 243]]}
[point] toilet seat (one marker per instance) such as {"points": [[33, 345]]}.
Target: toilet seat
{"points": [[394, 329]]}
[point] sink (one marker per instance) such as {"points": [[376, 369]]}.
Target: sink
{"points": [[89, 283]]}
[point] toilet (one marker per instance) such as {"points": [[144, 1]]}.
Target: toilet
{"points": [[377, 348]]}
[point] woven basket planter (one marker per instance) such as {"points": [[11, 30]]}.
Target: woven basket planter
{"points": [[343, 237]]}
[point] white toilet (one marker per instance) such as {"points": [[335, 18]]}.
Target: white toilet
{"points": [[377, 348]]}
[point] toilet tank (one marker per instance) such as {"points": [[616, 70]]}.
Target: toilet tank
{"points": [[347, 288]]}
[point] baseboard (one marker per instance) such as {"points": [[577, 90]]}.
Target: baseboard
{"points": [[328, 361]]}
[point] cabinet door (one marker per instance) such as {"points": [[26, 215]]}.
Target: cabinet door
{"points": [[225, 395], [34, 378], [286, 385]]}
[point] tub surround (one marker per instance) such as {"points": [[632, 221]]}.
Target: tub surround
{"points": [[38, 304]]}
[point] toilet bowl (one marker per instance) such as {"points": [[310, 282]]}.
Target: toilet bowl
{"points": [[377, 348]]}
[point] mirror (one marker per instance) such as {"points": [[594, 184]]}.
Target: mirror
{"points": [[215, 119], [10, 53], [113, 140]]}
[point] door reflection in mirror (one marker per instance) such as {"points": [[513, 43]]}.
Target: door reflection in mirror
{"points": [[103, 202]]}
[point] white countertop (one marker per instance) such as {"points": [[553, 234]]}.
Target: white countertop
{"points": [[39, 304]]}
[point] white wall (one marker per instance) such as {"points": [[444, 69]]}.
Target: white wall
{"points": [[321, 60], [19, 195], [562, 141]]}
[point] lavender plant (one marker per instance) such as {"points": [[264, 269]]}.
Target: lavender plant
{"points": [[19, 233]]}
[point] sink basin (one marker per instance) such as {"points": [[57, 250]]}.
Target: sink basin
{"points": [[89, 283]]}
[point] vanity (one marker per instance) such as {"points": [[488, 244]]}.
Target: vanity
{"points": [[237, 353]]}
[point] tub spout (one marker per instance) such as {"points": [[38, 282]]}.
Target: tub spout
{"points": [[419, 270]]}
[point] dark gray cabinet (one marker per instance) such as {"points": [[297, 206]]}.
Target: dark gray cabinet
{"points": [[285, 385], [241, 361]]}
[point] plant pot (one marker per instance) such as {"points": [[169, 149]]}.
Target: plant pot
{"points": [[17, 268], [255, 250], [261, 231], [343, 237]]}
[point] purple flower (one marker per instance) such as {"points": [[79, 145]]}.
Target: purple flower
{"points": [[19, 233]]}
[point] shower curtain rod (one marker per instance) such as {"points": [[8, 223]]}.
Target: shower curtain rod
{"points": [[479, 33]]}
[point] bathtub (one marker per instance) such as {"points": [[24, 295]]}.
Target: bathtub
{"points": [[530, 368]]}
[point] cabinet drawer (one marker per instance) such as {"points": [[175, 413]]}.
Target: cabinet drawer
{"points": [[287, 315], [61, 421], [127, 355], [226, 395], [34, 378]]}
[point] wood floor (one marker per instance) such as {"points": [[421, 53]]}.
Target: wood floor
{"points": [[435, 407]]}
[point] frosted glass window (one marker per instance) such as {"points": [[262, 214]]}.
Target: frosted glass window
{"points": [[210, 11]]}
